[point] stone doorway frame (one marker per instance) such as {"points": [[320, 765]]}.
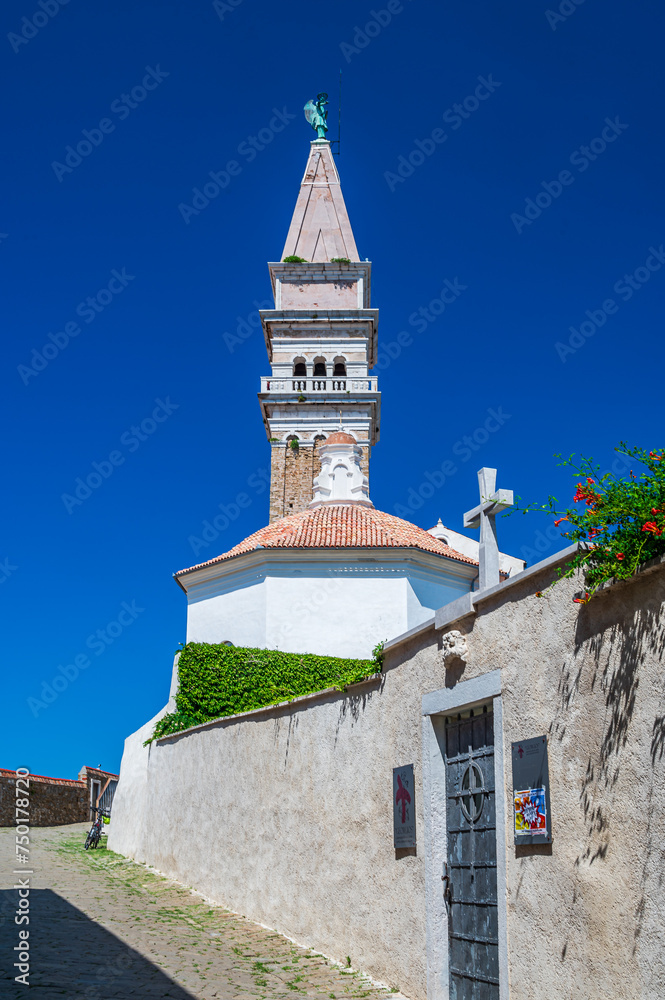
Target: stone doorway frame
{"points": [[435, 706]]}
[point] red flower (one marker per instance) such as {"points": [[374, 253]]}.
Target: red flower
{"points": [[581, 493], [654, 510], [591, 482], [587, 494], [581, 600], [652, 527], [620, 556], [539, 593], [593, 532], [656, 458], [557, 523]]}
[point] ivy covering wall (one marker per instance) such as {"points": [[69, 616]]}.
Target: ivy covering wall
{"points": [[219, 680]]}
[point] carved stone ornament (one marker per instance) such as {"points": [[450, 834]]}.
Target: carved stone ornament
{"points": [[454, 647]]}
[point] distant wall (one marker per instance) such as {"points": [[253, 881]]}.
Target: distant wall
{"points": [[53, 802], [285, 815]]}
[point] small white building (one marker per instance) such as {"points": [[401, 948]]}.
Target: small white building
{"points": [[509, 565], [335, 578]]}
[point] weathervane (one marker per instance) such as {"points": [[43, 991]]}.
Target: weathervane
{"points": [[317, 116]]}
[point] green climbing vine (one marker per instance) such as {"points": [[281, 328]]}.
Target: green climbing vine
{"points": [[218, 680]]}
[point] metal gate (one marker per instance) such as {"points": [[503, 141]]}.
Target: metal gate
{"points": [[470, 876]]}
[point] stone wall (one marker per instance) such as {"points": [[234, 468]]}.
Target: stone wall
{"points": [[285, 815], [53, 801], [291, 477]]}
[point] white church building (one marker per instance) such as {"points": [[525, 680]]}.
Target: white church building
{"points": [[326, 544], [374, 574]]}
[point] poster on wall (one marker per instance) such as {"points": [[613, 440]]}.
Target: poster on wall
{"points": [[404, 807], [531, 792]]}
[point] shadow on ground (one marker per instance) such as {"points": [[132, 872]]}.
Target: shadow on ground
{"points": [[72, 956]]}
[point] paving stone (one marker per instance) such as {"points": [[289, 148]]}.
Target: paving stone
{"points": [[105, 928]]}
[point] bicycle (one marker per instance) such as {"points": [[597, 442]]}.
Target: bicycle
{"points": [[95, 832]]}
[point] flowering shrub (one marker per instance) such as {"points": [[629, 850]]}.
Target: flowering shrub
{"points": [[618, 523]]}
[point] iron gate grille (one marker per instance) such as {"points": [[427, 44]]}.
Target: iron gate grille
{"points": [[471, 821]]}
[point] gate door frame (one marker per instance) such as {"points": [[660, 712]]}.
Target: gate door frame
{"points": [[435, 706]]}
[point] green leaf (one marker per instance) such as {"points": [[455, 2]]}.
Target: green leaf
{"points": [[218, 680], [623, 523]]}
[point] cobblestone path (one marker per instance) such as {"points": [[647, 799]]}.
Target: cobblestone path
{"points": [[104, 927]]}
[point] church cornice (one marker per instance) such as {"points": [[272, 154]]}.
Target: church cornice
{"points": [[340, 561]]}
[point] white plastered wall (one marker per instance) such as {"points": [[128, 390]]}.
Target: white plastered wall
{"points": [[290, 822], [231, 608], [316, 607]]}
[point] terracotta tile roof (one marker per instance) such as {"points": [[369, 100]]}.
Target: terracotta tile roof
{"points": [[339, 526], [8, 773], [340, 437], [98, 770]]}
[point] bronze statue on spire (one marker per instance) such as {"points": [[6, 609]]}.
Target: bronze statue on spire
{"points": [[317, 116]]}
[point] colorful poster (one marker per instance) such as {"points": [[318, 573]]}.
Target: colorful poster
{"points": [[530, 812]]}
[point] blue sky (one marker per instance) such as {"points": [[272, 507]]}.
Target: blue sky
{"points": [[539, 200]]}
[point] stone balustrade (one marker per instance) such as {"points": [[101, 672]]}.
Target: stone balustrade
{"points": [[321, 384]]}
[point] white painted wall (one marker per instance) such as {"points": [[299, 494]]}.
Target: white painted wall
{"points": [[335, 614], [313, 607], [471, 547], [423, 593], [232, 608]]}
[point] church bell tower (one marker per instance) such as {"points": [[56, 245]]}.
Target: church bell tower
{"points": [[321, 339]]}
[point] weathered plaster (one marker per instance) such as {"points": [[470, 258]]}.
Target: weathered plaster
{"points": [[286, 817]]}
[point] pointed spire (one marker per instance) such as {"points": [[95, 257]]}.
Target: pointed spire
{"points": [[320, 227]]}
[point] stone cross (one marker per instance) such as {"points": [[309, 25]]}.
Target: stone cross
{"points": [[492, 502]]}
